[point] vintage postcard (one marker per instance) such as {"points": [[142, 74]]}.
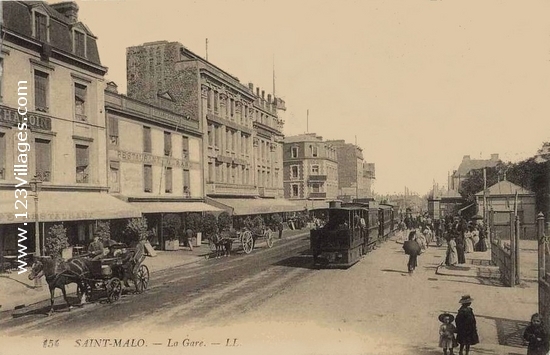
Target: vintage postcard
{"points": [[269, 177]]}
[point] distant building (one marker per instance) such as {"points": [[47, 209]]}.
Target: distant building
{"points": [[354, 174], [310, 168], [466, 166], [501, 199]]}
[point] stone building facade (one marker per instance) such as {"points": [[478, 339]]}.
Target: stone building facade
{"points": [[53, 81], [310, 168], [354, 174], [242, 145]]}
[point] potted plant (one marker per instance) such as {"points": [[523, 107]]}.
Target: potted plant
{"points": [[56, 241], [103, 229], [136, 230], [171, 226], [194, 222]]}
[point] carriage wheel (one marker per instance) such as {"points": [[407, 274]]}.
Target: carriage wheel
{"points": [[114, 289], [142, 278], [247, 241], [211, 244], [268, 235]]}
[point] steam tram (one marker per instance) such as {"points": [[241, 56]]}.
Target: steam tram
{"points": [[343, 240]]}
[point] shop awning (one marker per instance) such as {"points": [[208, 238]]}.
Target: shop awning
{"points": [[465, 208], [251, 206], [56, 206], [174, 207]]}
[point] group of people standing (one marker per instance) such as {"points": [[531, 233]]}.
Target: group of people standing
{"points": [[465, 329], [462, 238]]}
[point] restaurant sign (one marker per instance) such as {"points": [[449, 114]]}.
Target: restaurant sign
{"points": [[34, 120], [147, 158]]}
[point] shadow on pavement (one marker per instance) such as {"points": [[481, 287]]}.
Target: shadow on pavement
{"points": [[509, 331], [304, 262], [481, 281], [397, 271]]}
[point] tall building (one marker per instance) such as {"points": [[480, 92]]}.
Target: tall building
{"points": [[242, 149], [354, 174], [310, 168], [52, 124], [154, 159]]}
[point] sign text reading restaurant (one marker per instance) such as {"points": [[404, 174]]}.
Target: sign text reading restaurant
{"points": [[34, 120], [152, 159]]}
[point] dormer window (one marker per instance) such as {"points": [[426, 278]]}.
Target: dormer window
{"points": [[79, 43], [40, 25]]}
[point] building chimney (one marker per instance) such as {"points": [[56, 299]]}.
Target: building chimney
{"points": [[466, 158], [269, 98], [258, 92], [494, 157], [67, 8], [263, 94], [251, 87]]}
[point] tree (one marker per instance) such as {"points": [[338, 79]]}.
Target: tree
{"points": [[171, 226], [56, 241], [474, 182], [209, 225], [136, 230], [103, 230], [194, 222], [224, 221]]}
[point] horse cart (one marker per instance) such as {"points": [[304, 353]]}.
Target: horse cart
{"points": [[246, 237], [107, 274]]}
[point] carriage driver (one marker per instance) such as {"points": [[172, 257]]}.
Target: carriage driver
{"points": [[95, 249], [132, 261]]}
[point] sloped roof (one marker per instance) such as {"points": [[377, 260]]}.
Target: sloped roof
{"points": [[474, 164], [450, 194], [506, 188]]}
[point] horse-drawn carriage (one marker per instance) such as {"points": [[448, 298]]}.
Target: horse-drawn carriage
{"points": [[95, 279], [107, 274], [246, 236]]}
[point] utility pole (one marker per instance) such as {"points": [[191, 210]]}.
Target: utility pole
{"points": [[207, 49]]}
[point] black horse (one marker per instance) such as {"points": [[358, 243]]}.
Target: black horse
{"points": [[60, 274]]}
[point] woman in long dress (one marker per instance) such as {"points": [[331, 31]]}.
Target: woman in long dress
{"points": [[468, 243], [475, 236], [452, 256], [460, 248]]}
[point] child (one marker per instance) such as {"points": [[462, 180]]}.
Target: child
{"points": [[447, 339], [537, 336]]}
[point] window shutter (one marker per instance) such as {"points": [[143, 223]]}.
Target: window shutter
{"points": [[43, 159], [168, 178], [40, 89], [147, 139], [113, 126], [148, 178]]}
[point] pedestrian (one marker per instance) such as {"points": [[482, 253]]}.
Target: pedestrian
{"points": [[188, 237], [412, 249], [468, 242], [447, 331], [452, 256], [280, 228], [466, 328], [482, 244], [475, 235], [537, 336], [460, 248]]}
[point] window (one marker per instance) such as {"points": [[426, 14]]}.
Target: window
{"points": [[40, 26], [147, 178], [315, 169], [294, 171], [79, 43], [295, 190], [114, 176], [185, 147], [80, 102], [210, 135], [1, 76], [147, 139], [294, 152], [113, 130], [315, 187], [43, 154], [2, 156], [186, 181], [216, 102], [82, 162], [211, 172], [168, 180], [40, 91], [209, 99], [167, 144], [314, 150], [232, 107]]}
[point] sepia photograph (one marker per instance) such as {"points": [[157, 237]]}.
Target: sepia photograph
{"points": [[274, 177]]}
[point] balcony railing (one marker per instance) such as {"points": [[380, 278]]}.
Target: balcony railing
{"points": [[220, 188], [317, 178], [44, 175], [318, 195], [270, 192]]}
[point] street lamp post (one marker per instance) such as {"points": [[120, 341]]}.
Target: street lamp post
{"points": [[36, 186]]}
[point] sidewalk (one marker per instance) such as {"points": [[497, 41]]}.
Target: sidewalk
{"points": [[17, 290]]}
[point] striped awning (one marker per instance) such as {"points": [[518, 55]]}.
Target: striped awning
{"points": [[252, 206]]}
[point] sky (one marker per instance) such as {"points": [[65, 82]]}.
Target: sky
{"points": [[417, 84]]}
